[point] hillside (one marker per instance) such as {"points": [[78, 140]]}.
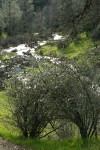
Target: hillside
{"points": [[50, 74]]}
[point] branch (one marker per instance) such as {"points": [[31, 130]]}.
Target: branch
{"points": [[52, 131], [86, 7], [76, 19]]}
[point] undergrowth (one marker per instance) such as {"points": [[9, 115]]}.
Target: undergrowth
{"points": [[74, 50], [9, 132]]}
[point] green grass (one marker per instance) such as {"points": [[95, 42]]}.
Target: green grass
{"points": [[69, 144], [6, 126], [49, 50], [10, 133], [8, 56], [74, 50]]}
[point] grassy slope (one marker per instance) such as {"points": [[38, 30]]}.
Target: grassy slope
{"points": [[59, 145], [6, 127], [74, 50], [11, 134]]}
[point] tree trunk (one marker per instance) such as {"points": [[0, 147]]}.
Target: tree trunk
{"points": [[84, 136], [32, 135], [25, 133], [83, 133]]}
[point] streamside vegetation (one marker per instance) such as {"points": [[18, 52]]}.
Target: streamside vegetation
{"points": [[52, 101], [61, 92]]}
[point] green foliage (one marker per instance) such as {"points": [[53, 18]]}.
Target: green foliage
{"points": [[11, 15], [60, 83], [74, 50], [27, 8], [12, 134], [49, 51], [8, 56], [30, 108], [4, 35], [48, 16]]}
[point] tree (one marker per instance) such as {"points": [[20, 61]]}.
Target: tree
{"points": [[10, 16], [29, 105], [55, 92], [75, 97], [39, 4], [27, 8]]}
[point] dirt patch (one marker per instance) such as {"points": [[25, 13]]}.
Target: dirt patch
{"points": [[5, 145]]}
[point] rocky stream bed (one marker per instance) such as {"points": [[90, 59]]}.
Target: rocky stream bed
{"points": [[17, 59]]}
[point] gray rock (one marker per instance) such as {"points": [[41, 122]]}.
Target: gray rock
{"points": [[15, 50]]}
